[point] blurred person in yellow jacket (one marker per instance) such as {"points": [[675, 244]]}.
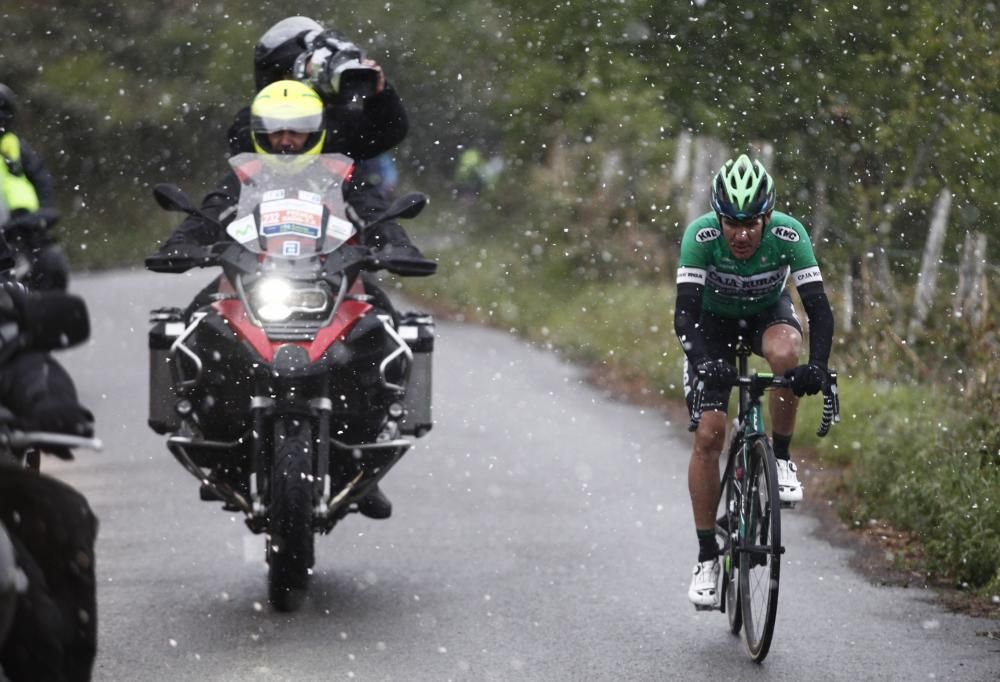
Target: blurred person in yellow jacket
{"points": [[26, 205]]}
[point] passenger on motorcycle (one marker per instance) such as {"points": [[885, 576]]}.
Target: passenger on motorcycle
{"points": [[363, 113], [288, 118], [734, 265], [26, 187]]}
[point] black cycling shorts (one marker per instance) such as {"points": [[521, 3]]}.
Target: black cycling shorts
{"points": [[721, 336]]}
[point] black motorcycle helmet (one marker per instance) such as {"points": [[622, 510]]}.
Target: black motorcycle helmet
{"points": [[8, 106], [275, 52]]}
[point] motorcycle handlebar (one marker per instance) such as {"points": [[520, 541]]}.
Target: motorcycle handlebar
{"points": [[181, 262], [42, 219], [20, 440]]}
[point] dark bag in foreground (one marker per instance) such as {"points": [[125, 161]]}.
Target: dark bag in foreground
{"points": [[53, 632]]}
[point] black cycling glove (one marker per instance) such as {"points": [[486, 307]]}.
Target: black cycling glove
{"points": [[717, 373], [808, 379]]}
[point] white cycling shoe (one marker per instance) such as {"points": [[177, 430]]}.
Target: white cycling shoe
{"points": [[704, 589], [789, 488]]}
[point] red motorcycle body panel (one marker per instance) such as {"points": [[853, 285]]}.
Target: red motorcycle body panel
{"points": [[236, 316]]}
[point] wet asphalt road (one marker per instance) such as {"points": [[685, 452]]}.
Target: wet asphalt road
{"points": [[541, 532]]}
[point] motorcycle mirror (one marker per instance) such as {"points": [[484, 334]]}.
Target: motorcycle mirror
{"points": [[173, 198], [409, 205], [406, 206]]}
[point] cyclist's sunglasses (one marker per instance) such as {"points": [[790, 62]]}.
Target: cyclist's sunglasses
{"points": [[740, 223]]}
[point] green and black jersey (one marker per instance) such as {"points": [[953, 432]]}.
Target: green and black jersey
{"points": [[711, 280], [740, 288]]}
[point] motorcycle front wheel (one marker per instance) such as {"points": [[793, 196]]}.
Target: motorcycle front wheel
{"points": [[290, 541]]}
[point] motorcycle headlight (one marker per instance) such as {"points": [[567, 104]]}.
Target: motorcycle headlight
{"points": [[275, 299]]}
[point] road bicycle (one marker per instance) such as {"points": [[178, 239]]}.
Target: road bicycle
{"points": [[749, 527]]}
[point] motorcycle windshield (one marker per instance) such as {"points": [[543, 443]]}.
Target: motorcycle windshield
{"points": [[291, 207]]}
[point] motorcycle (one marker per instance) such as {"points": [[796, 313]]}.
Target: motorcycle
{"points": [[289, 397], [48, 586], [39, 261], [48, 598]]}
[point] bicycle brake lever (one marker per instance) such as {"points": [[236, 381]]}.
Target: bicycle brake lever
{"points": [[696, 398], [831, 407]]}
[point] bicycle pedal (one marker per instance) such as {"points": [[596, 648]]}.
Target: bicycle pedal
{"points": [[789, 505], [714, 607]]}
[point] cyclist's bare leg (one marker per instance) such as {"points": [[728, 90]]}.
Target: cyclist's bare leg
{"points": [[703, 469], [781, 344]]}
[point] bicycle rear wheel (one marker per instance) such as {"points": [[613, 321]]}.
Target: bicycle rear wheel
{"points": [[760, 549]]}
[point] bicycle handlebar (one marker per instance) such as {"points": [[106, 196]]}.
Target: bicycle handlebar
{"points": [[831, 398]]}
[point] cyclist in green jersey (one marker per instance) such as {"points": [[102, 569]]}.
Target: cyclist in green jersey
{"points": [[731, 283]]}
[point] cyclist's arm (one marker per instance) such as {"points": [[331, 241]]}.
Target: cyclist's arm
{"points": [[687, 312], [692, 275], [820, 314], [808, 280]]}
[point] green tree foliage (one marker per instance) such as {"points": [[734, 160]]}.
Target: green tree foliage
{"points": [[881, 104]]}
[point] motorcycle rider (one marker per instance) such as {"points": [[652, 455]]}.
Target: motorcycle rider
{"points": [[26, 187], [359, 124], [288, 119]]}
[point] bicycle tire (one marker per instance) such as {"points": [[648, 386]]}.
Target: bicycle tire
{"points": [[760, 549], [729, 573]]}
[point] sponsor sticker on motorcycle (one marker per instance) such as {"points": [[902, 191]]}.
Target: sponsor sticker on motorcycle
{"points": [[291, 248], [243, 230], [291, 216], [311, 197], [338, 228]]}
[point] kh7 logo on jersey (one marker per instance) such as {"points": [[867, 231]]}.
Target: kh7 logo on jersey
{"points": [[786, 233], [706, 235]]}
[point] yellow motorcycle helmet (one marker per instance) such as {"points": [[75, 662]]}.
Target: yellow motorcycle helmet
{"points": [[288, 105]]}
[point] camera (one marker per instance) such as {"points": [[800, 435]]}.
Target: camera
{"points": [[336, 67], [349, 77]]}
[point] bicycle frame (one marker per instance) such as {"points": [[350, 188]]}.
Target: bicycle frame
{"points": [[750, 526], [749, 425]]}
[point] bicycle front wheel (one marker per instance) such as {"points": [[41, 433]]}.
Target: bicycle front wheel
{"points": [[729, 519], [760, 549]]}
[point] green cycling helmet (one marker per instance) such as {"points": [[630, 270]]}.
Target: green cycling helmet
{"points": [[742, 189]]}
